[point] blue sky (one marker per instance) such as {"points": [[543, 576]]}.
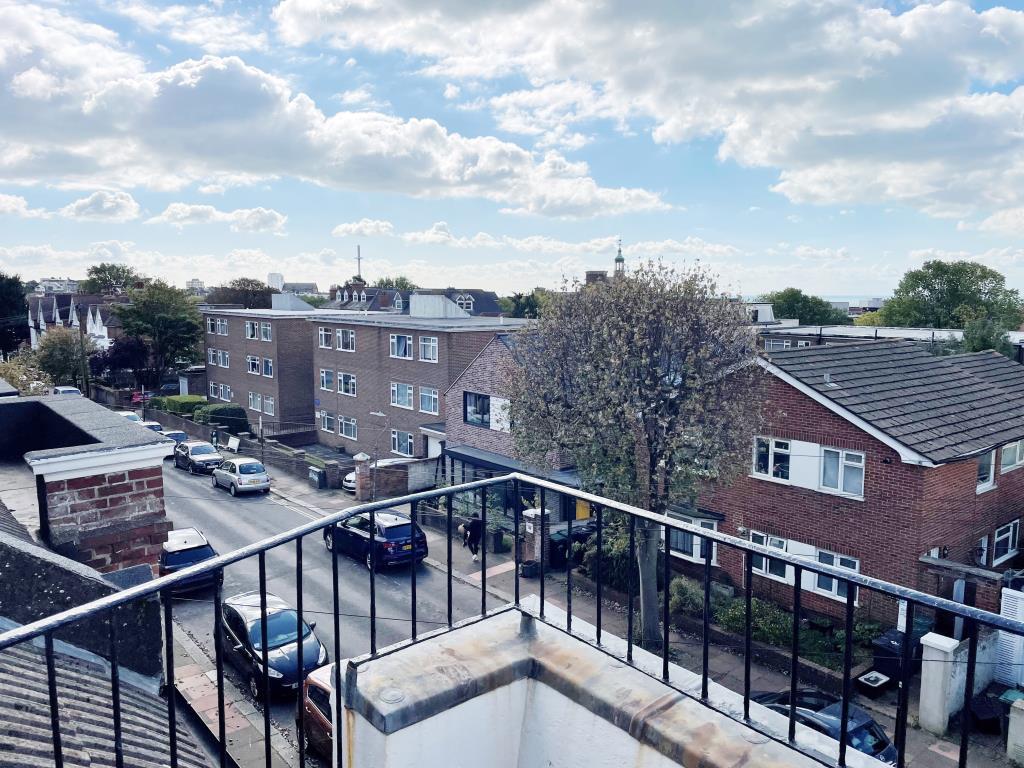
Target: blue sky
{"points": [[826, 144]]}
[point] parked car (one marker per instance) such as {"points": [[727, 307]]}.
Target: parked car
{"points": [[317, 735], [175, 434], [397, 539], [169, 389], [130, 415], [196, 456], [138, 398], [823, 713], [185, 547], [67, 391], [156, 426], [348, 482], [243, 636], [240, 475]]}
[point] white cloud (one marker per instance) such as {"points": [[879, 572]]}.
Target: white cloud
{"points": [[361, 97], [364, 228], [915, 103], [202, 26], [452, 91], [15, 205], [1008, 221], [241, 220], [103, 205]]}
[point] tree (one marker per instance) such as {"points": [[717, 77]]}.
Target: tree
{"points": [[398, 283], [314, 301], [64, 354], [869, 319], [944, 294], [981, 332], [22, 371], [644, 384], [525, 304], [108, 279], [13, 313], [126, 353], [167, 320], [250, 293], [809, 310]]}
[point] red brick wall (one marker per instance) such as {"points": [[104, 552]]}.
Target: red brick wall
{"points": [[483, 376], [109, 521]]}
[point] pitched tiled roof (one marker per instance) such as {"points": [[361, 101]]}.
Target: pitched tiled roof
{"points": [[943, 408], [86, 716]]}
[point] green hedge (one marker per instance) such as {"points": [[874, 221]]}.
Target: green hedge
{"points": [[232, 416], [158, 403], [183, 405]]}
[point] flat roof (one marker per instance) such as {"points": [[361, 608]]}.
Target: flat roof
{"points": [[393, 320], [270, 314], [883, 332]]}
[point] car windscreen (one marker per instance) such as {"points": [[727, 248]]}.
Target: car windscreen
{"points": [[188, 556], [869, 738], [251, 469], [280, 630], [203, 450], [398, 531]]}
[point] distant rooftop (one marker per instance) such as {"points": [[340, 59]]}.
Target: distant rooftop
{"points": [[882, 332], [392, 320]]}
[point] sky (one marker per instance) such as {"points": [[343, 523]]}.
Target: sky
{"points": [[825, 144]]}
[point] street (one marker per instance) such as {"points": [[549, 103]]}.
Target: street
{"points": [[230, 523]]}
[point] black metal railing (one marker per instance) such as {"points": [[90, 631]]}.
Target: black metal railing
{"points": [[165, 586]]}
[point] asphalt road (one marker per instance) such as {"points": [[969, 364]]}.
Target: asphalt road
{"points": [[230, 523]]}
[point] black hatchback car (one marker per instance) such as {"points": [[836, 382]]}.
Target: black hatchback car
{"points": [[243, 640], [185, 547], [823, 713], [397, 539]]}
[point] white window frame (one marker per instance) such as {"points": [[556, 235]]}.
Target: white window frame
{"points": [[324, 374], [833, 590], [325, 333], [222, 327], [465, 301], [255, 401], [398, 302], [776, 542], [394, 346], [394, 395], [252, 329], [350, 378], [430, 392], [348, 421], [772, 450], [428, 343], [269, 405], [223, 358], [1011, 531], [252, 364], [395, 446], [268, 367], [1018, 453], [696, 541], [327, 418], [214, 389], [801, 343], [266, 332], [990, 483], [343, 334], [777, 345], [211, 325], [225, 393], [845, 460], [211, 356]]}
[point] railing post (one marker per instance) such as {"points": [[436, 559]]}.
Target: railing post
{"points": [[630, 599], [748, 579], [415, 567], [545, 531], [172, 714], [51, 685], [568, 571], [666, 578], [597, 568], [301, 711], [449, 502], [794, 668], [706, 632], [965, 711], [265, 658], [372, 556], [844, 723], [516, 552], [906, 672], [336, 727], [115, 692], [218, 653], [483, 551]]}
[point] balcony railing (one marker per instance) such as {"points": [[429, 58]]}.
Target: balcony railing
{"points": [[163, 588]]}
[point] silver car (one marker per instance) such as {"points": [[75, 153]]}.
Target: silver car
{"points": [[241, 475]]}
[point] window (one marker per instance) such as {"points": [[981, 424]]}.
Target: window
{"points": [[251, 329], [401, 395], [223, 358], [256, 401], [346, 340], [252, 364], [225, 392], [771, 458], [401, 442], [268, 405], [801, 343], [345, 295], [211, 325], [362, 296], [325, 338], [347, 384], [986, 471], [347, 427], [326, 379], [265, 332], [211, 356], [842, 471], [428, 348], [1012, 456], [214, 390], [465, 302], [690, 547], [767, 566], [401, 346], [1005, 542], [776, 345], [222, 327], [429, 400], [831, 586], [476, 409], [268, 367], [398, 302], [326, 421]]}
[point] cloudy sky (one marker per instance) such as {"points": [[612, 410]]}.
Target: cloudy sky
{"points": [[828, 144]]}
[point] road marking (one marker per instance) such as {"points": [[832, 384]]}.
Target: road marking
{"points": [[496, 570]]}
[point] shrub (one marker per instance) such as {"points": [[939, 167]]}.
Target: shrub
{"points": [[158, 403], [184, 404], [616, 562], [769, 623], [232, 416]]}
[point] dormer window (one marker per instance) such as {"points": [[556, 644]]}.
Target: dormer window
{"points": [[464, 302], [362, 296], [345, 296], [398, 301]]}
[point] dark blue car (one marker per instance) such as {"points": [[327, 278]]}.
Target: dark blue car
{"points": [[185, 547], [397, 539]]}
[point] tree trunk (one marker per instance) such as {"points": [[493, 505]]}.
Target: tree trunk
{"points": [[647, 561]]}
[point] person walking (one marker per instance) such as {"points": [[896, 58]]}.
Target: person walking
{"points": [[474, 532]]}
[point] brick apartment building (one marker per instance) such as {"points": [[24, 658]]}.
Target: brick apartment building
{"points": [[260, 359], [398, 365], [884, 459]]}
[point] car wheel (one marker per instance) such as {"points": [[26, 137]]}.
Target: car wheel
{"points": [[214, 483], [369, 562], [255, 687], [232, 490], [266, 490], [329, 542], [191, 468], [302, 737]]}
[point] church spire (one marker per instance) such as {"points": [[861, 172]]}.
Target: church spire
{"points": [[620, 262]]}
